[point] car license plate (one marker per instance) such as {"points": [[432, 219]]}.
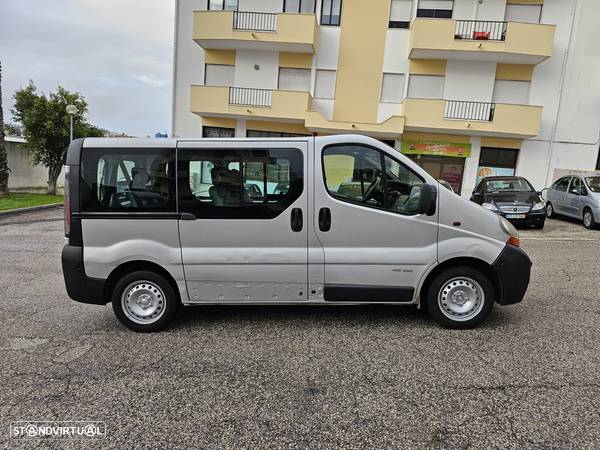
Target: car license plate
{"points": [[515, 216]]}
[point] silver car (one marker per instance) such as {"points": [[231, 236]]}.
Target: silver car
{"points": [[576, 196]]}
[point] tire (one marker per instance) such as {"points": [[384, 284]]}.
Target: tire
{"points": [[463, 284], [550, 211], [588, 219], [156, 302]]}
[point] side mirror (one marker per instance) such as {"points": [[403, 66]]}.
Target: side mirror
{"points": [[427, 199], [574, 191]]}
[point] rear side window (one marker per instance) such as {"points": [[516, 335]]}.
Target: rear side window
{"points": [[128, 180], [239, 183], [562, 184]]}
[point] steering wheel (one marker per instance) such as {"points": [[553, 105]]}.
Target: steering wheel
{"points": [[371, 189]]}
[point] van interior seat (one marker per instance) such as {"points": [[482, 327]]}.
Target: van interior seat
{"points": [[225, 190]]}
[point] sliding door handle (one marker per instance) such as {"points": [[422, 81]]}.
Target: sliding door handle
{"points": [[296, 220], [324, 219]]}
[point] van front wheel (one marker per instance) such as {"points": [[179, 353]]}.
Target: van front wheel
{"points": [[460, 297], [144, 301]]}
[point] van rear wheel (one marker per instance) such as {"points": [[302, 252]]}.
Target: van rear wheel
{"points": [[144, 301], [460, 297]]}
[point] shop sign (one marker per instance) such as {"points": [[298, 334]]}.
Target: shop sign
{"points": [[435, 148]]}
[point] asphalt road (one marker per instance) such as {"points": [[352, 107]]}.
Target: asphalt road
{"points": [[226, 377]]}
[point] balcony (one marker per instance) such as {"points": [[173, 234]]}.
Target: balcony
{"points": [[482, 119], [248, 103], [505, 42], [391, 128], [283, 32]]}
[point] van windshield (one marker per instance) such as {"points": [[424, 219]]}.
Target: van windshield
{"points": [[593, 183]]}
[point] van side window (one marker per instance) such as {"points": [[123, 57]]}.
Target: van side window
{"points": [[365, 176], [132, 180], [239, 183]]}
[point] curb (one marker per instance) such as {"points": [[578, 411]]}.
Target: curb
{"points": [[10, 212]]}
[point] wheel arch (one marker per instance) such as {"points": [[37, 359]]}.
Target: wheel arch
{"points": [[463, 261], [134, 266]]}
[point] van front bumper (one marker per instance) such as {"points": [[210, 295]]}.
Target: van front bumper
{"points": [[80, 287], [513, 269]]}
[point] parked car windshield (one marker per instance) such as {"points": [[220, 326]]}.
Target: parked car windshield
{"points": [[509, 185], [593, 183]]}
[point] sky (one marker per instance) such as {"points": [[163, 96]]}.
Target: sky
{"points": [[116, 53]]}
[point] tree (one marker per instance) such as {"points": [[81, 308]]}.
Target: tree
{"points": [[4, 170], [46, 126]]}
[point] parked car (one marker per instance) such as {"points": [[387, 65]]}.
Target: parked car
{"points": [[576, 196], [513, 198], [356, 222]]}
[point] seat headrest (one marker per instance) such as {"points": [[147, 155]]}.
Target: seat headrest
{"points": [[223, 176]]}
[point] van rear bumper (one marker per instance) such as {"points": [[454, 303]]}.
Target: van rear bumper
{"points": [[513, 269], [80, 287]]}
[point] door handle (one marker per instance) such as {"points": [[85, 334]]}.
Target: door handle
{"points": [[187, 216], [296, 220], [324, 219]]}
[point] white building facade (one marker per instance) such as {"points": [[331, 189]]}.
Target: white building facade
{"points": [[466, 88]]}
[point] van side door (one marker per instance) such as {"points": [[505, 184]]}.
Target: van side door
{"points": [[376, 247], [243, 230]]}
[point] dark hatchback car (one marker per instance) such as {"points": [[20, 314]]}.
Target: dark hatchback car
{"points": [[511, 197]]}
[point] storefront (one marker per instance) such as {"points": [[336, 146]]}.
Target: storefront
{"points": [[495, 162], [442, 160]]}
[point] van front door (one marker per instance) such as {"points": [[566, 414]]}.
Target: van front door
{"points": [[243, 209], [376, 247]]}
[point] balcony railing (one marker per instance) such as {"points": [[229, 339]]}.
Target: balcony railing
{"points": [[480, 30], [250, 97], [254, 21], [461, 110]]}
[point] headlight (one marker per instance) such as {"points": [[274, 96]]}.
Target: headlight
{"points": [[510, 230], [538, 206], [490, 206]]}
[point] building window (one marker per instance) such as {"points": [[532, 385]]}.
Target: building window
{"points": [[425, 86], [218, 75], [392, 88], [523, 13], [497, 162], [294, 79], [437, 9], [239, 183], [218, 132], [331, 12], [275, 134], [300, 6], [400, 13], [325, 84], [515, 92], [222, 5]]}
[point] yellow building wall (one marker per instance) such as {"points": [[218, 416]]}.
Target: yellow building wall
{"points": [[363, 33]]}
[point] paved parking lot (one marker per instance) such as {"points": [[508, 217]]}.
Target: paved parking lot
{"points": [[306, 376]]}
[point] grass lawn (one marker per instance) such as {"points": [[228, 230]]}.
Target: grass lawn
{"points": [[14, 201]]}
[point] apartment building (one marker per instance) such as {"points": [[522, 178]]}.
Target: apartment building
{"points": [[466, 88]]}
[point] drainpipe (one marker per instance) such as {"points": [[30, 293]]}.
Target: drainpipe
{"points": [[560, 95], [174, 80]]}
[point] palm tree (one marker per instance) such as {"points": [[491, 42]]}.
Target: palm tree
{"points": [[4, 170]]}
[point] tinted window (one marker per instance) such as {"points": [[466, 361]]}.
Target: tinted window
{"points": [[239, 184], [356, 174], [128, 180], [498, 157]]}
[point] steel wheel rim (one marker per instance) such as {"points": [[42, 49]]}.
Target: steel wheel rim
{"points": [[461, 299], [549, 210], [587, 219], [143, 302]]}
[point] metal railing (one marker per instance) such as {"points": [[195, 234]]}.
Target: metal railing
{"points": [[254, 21], [480, 30], [250, 97], [461, 110]]}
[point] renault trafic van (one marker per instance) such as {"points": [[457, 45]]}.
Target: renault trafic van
{"points": [[152, 225]]}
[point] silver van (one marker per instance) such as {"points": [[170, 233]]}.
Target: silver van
{"points": [[576, 196], [152, 225]]}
